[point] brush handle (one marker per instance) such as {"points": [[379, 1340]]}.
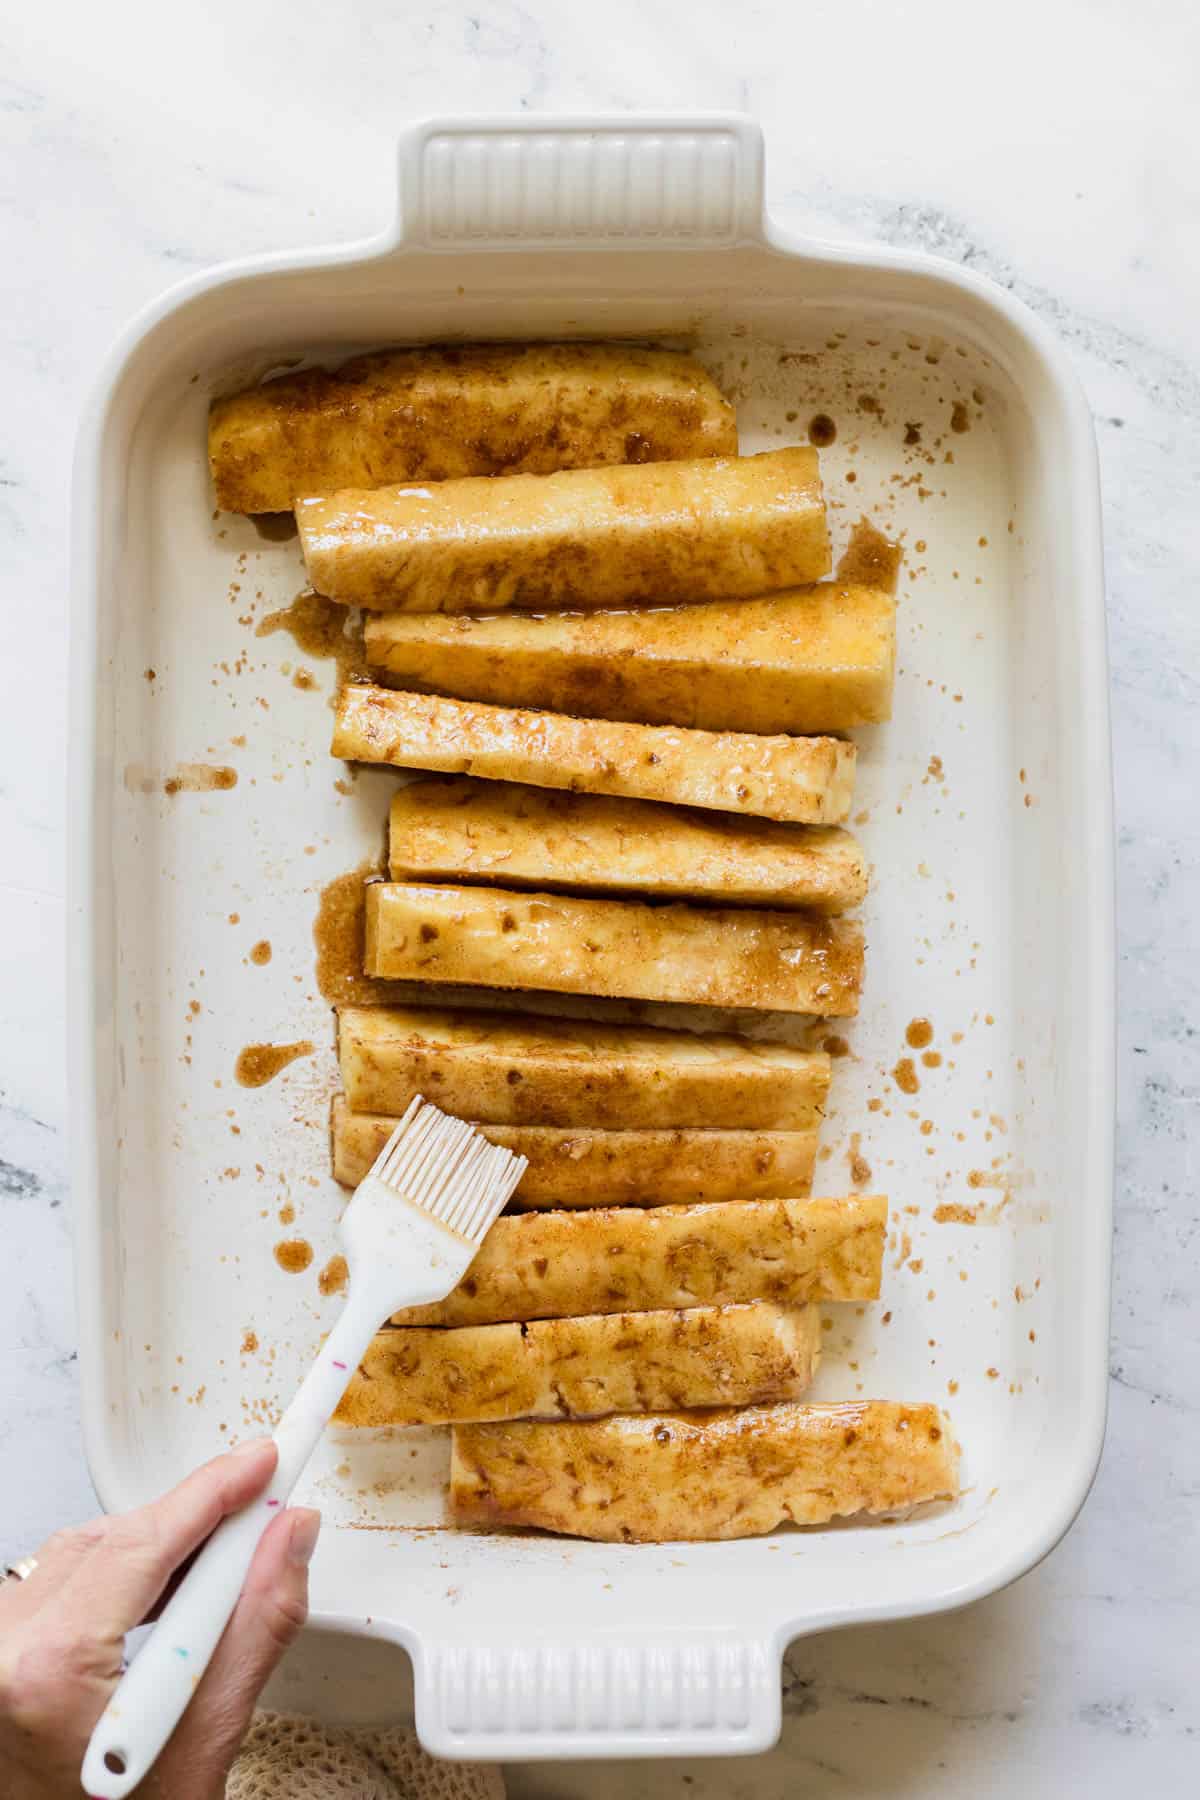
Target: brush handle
{"points": [[152, 1696]]}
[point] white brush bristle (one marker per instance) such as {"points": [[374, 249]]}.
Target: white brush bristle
{"points": [[448, 1169]]}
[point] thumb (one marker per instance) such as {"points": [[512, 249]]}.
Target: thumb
{"points": [[269, 1614]]}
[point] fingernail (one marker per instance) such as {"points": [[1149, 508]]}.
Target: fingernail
{"points": [[302, 1540], [252, 1447]]}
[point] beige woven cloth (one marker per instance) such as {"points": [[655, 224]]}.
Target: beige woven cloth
{"points": [[286, 1758]]}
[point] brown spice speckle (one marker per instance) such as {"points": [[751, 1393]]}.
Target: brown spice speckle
{"points": [[951, 1213], [333, 1277], [294, 1255], [860, 1168], [905, 1076]]}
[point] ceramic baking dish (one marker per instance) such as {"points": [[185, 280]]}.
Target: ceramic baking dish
{"points": [[984, 805]]}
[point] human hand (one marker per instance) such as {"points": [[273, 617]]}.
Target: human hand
{"points": [[62, 1632]]}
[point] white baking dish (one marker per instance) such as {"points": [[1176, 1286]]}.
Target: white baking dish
{"points": [[527, 1646]]}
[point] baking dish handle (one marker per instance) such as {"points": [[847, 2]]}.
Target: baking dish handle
{"points": [[504, 184], [709, 1695]]}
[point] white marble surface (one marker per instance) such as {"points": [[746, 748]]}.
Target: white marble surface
{"points": [[1055, 149]]}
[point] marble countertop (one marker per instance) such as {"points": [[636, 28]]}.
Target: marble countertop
{"points": [[1058, 156]]}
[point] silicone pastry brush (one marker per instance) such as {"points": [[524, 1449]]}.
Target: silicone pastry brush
{"points": [[410, 1234]]}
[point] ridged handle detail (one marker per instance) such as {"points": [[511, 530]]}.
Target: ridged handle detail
{"points": [[709, 1695], [589, 183]]}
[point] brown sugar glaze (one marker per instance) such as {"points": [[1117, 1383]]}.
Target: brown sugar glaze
{"points": [[339, 932], [321, 629], [275, 528], [200, 778], [259, 1063], [870, 559]]}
